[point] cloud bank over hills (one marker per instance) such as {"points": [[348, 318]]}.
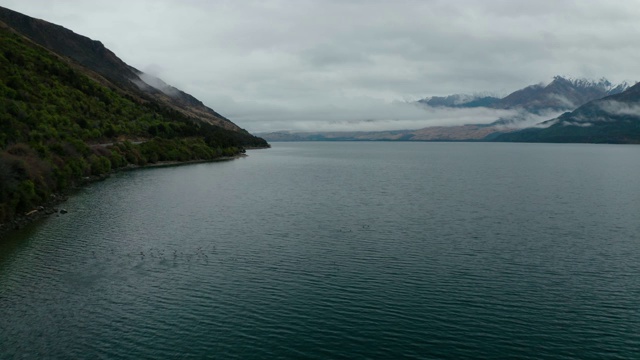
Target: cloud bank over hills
{"points": [[529, 114], [260, 63]]}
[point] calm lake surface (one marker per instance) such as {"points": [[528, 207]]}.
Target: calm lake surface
{"points": [[339, 251]]}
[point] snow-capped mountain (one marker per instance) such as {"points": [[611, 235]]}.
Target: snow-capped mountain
{"points": [[561, 94]]}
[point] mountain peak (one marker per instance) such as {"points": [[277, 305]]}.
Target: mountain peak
{"points": [[585, 83], [612, 119], [561, 94]]}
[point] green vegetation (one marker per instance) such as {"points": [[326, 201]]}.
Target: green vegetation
{"points": [[58, 127]]}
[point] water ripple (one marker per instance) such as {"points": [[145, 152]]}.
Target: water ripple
{"points": [[336, 254]]}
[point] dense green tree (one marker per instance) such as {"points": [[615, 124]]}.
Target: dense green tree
{"points": [[58, 126]]}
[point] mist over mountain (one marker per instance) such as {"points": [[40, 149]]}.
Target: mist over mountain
{"points": [[529, 107], [535, 103], [561, 94], [612, 119]]}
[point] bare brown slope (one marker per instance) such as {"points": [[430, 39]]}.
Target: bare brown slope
{"points": [[97, 58]]}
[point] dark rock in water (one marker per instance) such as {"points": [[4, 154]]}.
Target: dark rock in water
{"points": [[63, 211]]}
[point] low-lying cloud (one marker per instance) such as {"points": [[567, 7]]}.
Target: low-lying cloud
{"points": [[577, 123], [520, 119], [620, 108], [157, 84], [367, 114]]}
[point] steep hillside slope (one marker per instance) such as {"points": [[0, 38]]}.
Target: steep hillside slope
{"points": [[58, 126], [94, 56]]}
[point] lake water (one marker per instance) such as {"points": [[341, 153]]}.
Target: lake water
{"points": [[339, 251]]}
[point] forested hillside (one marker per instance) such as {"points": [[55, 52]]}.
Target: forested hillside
{"points": [[93, 56], [59, 126]]}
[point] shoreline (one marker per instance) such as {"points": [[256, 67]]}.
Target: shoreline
{"points": [[161, 164], [52, 206]]}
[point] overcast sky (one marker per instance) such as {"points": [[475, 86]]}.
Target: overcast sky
{"points": [[353, 64]]}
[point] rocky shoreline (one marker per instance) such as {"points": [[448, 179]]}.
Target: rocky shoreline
{"points": [[42, 211], [53, 205]]}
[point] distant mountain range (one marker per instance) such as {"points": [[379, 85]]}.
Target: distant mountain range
{"points": [[561, 94], [596, 111], [613, 119], [460, 101]]}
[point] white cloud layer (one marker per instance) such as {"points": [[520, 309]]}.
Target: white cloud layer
{"points": [[620, 108], [273, 65]]}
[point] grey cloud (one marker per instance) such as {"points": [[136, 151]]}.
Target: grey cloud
{"points": [[285, 62], [157, 84]]}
